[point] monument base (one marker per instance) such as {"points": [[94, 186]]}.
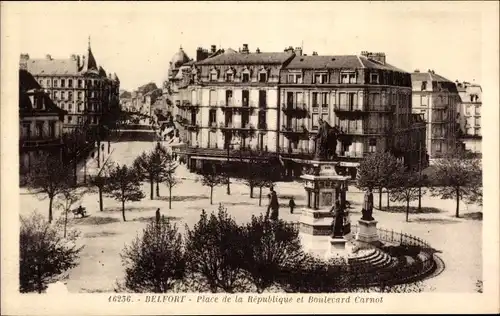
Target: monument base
{"points": [[338, 248], [316, 222], [367, 231]]}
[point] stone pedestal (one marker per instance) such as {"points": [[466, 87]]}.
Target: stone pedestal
{"points": [[367, 231], [338, 248]]}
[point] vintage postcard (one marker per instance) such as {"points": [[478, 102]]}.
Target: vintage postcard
{"points": [[249, 157]]}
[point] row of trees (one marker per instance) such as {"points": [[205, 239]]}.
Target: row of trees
{"points": [[456, 175], [218, 255]]}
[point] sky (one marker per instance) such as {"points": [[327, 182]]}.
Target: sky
{"points": [[137, 40]]}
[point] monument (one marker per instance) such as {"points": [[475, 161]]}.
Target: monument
{"points": [[367, 224], [324, 187]]}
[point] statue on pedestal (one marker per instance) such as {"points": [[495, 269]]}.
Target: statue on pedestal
{"points": [[367, 210], [326, 141]]}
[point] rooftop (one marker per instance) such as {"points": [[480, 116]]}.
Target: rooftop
{"points": [[231, 57], [430, 75], [337, 62]]}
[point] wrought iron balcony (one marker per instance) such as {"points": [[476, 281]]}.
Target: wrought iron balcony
{"points": [[39, 142], [299, 109]]}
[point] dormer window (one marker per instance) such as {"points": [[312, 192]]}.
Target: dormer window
{"points": [[320, 78], [348, 77], [230, 75], [374, 78], [213, 75], [295, 78], [262, 77], [424, 85], [245, 77]]}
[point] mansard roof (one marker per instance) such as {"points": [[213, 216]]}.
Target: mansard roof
{"points": [[234, 58]]}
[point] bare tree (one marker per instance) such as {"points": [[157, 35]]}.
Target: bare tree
{"points": [[375, 172], [66, 200], [100, 180], [48, 178], [456, 176], [170, 177], [264, 180], [154, 261], [406, 188], [124, 185], [211, 179], [44, 253]]}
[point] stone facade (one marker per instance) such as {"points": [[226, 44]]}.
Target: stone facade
{"points": [[437, 99], [77, 85], [40, 123], [469, 115], [271, 103]]}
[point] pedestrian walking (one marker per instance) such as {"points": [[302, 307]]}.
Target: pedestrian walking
{"points": [[291, 204], [273, 205]]}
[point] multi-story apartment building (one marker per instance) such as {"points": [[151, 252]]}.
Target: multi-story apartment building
{"points": [[40, 123], [77, 85], [437, 99], [271, 103], [469, 115], [367, 99]]}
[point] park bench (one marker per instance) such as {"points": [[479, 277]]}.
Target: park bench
{"points": [[79, 211]]}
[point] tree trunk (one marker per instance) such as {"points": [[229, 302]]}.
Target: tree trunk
{"points": [[65, 221], [157, 189], [251, 191], [169, 198], [387, 199], [407, 208], [457, 212], [211, 194], [123, 210], [380, 198], [228, 186], [260, 196], [152, 189], [101, 208], [419, 199], [51, 198]]}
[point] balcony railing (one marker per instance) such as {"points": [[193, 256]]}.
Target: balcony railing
{"points": [[39, 142], [363, 109]]}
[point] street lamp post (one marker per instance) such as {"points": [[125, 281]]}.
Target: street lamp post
{"points": [[229, 146]]}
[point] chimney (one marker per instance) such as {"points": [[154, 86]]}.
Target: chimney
{"points": [[315, 53], [257, 50], [213, 48], [244, 50], [48, 57], [378, 57], [23, 61], [417, 70], [199, 54], [298, 51]]}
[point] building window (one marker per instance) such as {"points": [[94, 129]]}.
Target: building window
{"points": [[48, 82], [213, 97], [423, 87], [262, 99], [39, 129], [320, 78], [315, 99], [348, 77], [324, 99], [80, 107], [295, 78], [79, 95], [423, 100], [27, 130], [79, 83], [56, 95], [372, 145], [212, 117], [70, 107], [373, 78], [63, 83], [245, 94], [229, 77], [351, 99], [245, 77], [262, 120], [55, 83], [70, 119], [70, 83], [229, 98], [213, 75], [315, 123], [52, 129], [38, 102], [70, 95], [262, 77]]}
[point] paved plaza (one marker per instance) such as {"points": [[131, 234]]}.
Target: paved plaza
{"points": [[458, 241]]}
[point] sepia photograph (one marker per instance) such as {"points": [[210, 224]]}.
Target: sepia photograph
{"points": [[255, 154]]}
